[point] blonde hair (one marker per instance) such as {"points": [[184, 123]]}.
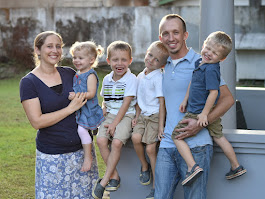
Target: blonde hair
{"points": [[222, 39], [162, 49], [119, 45], [40, 40], [91, 48]]}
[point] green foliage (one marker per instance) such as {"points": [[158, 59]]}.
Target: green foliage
{"points": [[17, 143]]}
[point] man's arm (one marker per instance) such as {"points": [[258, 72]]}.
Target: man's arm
{"points": [[224, 103]]}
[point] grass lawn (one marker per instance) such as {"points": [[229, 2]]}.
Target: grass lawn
{"points": [[17, 144]]}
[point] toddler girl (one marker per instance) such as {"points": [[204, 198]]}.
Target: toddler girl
{"points": [[89, 117]]}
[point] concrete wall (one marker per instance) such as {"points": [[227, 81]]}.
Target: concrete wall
{"points": [[250, 42], [249, 146], [52, 3], [250, 149], [136, 25], [252, 102], [84, 20]]}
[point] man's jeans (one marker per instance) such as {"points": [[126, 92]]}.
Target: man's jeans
{"points": [[171, 168]]}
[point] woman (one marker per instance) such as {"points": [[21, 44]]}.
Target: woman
{"points": [[44, 96]]}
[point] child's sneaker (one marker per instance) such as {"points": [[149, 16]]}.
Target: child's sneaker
{"points": [[113, 185], [192, 175], [145, 176], [151, 194], [98, 190], [239, 171]]}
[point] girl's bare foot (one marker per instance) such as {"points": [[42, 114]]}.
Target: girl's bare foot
{"points": [[87, 164]]}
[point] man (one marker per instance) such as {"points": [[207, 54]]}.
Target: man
{"points": [[170, 166]]}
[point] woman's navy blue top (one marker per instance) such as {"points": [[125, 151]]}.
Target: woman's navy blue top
{"points": [[61, 137]]}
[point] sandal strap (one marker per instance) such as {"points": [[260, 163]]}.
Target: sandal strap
{"points": [[193, 168], [237, 169]]}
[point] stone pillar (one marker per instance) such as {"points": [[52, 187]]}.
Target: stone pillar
{"points": [[219, 15]]}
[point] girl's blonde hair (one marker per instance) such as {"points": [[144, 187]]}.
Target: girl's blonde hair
{"points": [[91, 48], [40, 40]]}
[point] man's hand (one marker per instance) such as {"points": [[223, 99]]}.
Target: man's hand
{"points": [[191, 129]]}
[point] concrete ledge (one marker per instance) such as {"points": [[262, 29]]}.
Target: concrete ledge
{"points": [[249, 146], [245, 141]]}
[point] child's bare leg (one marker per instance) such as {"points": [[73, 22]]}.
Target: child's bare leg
{"points": [[185, 152], [87, 157], [228, 151], [103, 145], [152, 154], [139, 149], [87, 147], [112, 161]]}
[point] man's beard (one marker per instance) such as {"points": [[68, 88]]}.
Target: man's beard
{"points": [[175, 51]]}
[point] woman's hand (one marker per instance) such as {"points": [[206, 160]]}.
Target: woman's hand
{"points": [[77, 102], [71, 95]]}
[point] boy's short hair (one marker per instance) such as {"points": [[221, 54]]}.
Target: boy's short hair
{"points": [[119, 45], [162, 49], [222, 39], [172, 16]]}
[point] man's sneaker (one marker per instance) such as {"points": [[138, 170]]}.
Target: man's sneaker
{"points": [[113, 185], [151, 194], [145, 176], [98, 190]]}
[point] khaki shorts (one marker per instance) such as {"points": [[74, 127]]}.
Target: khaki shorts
{"points": [[147, 126], [123, 129], [215, 128]]}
